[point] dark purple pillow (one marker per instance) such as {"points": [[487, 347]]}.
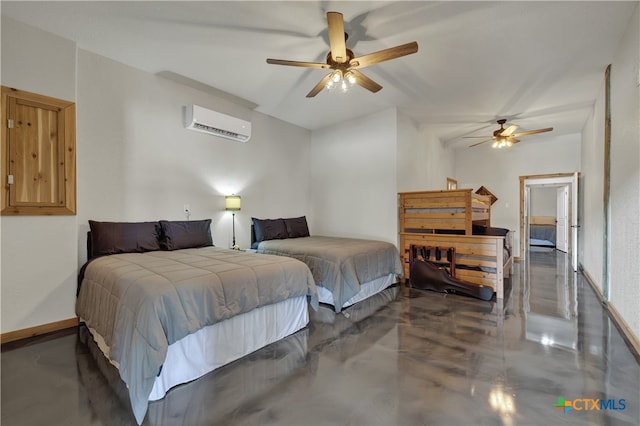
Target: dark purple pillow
{"points": [[269, 229], [297, 227], [123, 237], [182, 234]]}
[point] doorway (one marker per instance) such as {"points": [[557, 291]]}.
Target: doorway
{"points": [[566, 215]]}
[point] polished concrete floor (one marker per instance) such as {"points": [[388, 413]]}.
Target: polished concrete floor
{"points": [[405, 357]]}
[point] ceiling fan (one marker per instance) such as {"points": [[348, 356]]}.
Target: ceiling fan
{"points": [[344, 63], [504, 138]]}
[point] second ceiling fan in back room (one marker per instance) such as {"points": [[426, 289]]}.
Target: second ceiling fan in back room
{"points": [[504, 138], [344, 63]]}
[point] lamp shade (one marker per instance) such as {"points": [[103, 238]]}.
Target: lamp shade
{"points": [[232, 202]]}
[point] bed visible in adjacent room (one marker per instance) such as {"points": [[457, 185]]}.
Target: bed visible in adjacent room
{"points": [[345, 270], [542, 231], [165, 306]]}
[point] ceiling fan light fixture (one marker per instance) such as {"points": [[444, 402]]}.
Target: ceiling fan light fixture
{"points": [[505, 138], [501, 142], [350, 77], [340, 79]]}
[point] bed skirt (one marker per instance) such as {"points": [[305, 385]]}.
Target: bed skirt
{"points": [[216, 345], [367, 290]]}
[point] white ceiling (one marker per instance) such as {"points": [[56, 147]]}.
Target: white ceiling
{"points": [[538, 63]]}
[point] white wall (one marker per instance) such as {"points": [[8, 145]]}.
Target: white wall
{"points": [[423, 163], [543, 201], [591, 211], [499, 171], [135, 161], [353, 178], [624, 234], [624, 286], [39, 255]]}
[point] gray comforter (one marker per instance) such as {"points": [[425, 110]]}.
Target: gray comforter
{"points": [[543, 232], [340, 265], [142, 302]]}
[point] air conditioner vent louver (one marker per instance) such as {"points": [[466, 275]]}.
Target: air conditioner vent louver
{"points": [[219, 132], [214, 123]]}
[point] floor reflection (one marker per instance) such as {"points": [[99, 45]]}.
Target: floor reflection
{"points": [[404, 357], [551, 313]]}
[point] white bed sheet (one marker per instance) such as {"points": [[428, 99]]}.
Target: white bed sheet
{"points": [[367, 289], [216, 345]]}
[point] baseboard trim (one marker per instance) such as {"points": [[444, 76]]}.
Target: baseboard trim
{"points": [[627, 334], [38, 330], [593, 284], [625, 330]]}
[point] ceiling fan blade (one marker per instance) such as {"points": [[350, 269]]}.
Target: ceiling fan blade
{"points": [[509, 130], [298, 63], [384, 55], [337, 40], [366, 82], [532, 132], [480, 143], [475, 137], [318, 87]]}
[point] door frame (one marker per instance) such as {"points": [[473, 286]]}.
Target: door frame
{"points": [[569, 179], [562, 205]]}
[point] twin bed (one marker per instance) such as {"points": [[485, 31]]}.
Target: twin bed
{"points": [[165, 306]]}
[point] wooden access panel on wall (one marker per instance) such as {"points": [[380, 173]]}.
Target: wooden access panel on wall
{"points": [[38, 146]]}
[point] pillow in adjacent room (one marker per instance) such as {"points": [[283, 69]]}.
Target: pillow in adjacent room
{"points": [[123, 237], [183, 234], [269, 229], [297, 227]]}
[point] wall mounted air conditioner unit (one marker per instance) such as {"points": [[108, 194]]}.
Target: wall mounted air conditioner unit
{"points": [[214, 123]]}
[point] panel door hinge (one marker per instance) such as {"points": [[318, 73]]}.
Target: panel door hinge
{"points": [[10, 179], [10, 123]]}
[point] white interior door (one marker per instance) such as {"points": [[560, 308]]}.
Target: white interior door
{"points": [[562, 228]]}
